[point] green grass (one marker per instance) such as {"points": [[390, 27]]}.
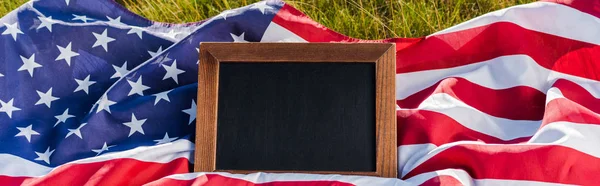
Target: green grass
{"points": [[365, 19], [8, 5]]}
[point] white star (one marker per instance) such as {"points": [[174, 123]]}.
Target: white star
{"points": [[120, 71], [82, 18], [104, 104], [45, 156], [162, 96], [239, 38], [136, 30], [67, 1], [165, 139], [100, 150], [172, 71], [171, 34], [12, 29], [84, 84], [27, 132], [225, 13], [66, 53], [8, 107], [116, 21], [135, 125], [137, 87], [46, 98], [29, 64], [76, 131], [46, 22], [160, 50], [192, 112], [63, 117], [262, 6], [102, 40]]}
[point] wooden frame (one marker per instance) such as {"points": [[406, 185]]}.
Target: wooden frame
{"points": [[383, 55]]}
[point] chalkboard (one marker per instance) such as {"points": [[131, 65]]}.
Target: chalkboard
{"points": [[296, 107], [301, 116]]}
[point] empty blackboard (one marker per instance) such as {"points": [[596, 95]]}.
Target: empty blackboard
{"points": [[296, 116], [296, 107]]}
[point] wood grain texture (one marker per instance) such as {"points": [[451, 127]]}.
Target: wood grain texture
{"points": [[387, 163], [206, 116], [211, 54], [297, 52]]}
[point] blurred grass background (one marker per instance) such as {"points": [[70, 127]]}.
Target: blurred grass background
{"points": [[365, 19]]}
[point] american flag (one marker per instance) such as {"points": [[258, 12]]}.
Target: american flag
{"points": [[93, 94]]}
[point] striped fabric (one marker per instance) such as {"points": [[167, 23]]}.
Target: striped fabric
{"points": [[508, 98]]}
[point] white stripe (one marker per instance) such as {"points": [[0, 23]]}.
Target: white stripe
{"points": [[276, 33], [474, 119], [11, 165], [581, 137], [163, 153], [546, 17], [406, 169], [590, 86], [498, 182], [259, 178], [408, 155], [465, 179], [498, 73], [552, 94]]}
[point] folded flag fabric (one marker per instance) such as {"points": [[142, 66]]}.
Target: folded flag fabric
{"points": [[93, 94]]}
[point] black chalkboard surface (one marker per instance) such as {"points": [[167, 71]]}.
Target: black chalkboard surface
{"points": [[296, 116], [326, 108]]}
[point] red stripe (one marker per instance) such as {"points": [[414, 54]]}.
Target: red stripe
{"points": [[499, 39], [578, 106], [420, 127], [484, 43], [562, 109], [111, 172], [442, 180], [591, 7], [545, 163], [218, 180], [578, 94], [294, 20], [300, 24], [13, 180], [526, 103]]}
